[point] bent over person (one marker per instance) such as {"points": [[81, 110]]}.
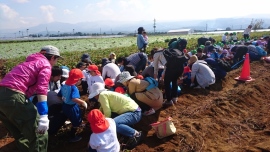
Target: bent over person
{"points": [[28, 124]]}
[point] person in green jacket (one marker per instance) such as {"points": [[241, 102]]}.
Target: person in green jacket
{"points": [[180, 44]]}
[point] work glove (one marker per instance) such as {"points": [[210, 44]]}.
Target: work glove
{"points": [[43, 124], [192, 85], [84, 104]]}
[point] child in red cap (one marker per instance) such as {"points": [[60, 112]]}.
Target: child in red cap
{"points": [[186, 76], [71, 101], [95, 76], [104, 136]]}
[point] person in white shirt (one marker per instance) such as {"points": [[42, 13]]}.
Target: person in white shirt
{"points": [[104, 136], [247, 31], [95, 76], [224, 38], [110, 70]]}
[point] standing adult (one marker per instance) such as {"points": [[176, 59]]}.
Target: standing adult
{"points": [[141, 41], [28, 124], [247, 31]]}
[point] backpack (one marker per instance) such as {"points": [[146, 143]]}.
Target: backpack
{"points": [[225, 65], [175, 58], [152, 83]]}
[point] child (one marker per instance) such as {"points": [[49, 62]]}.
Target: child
{"points": [[95, 76], [109, 84], [82, 66], [104, 137], [234, 37], [64, 76], [186, 76], [224, 38], [145, 37], [71, 101]]}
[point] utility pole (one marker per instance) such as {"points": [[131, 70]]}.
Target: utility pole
{"points": [[154, 26], [27, 33]]}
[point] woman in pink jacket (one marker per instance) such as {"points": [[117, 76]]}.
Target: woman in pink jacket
{"points": [[28, 124]]}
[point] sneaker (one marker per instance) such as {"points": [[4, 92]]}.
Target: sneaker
{"points": [[149, 112], [133, 141], [167, 103], [174, 100], [197, 87], [75, 139]]}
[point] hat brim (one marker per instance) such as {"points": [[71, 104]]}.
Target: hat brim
{"points": [[95, 93], [125, 79]]}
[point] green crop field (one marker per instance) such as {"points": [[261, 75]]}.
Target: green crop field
{"points": [[14, 52]]}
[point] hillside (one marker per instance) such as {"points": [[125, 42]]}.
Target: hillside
{"points": [[231, 116]]}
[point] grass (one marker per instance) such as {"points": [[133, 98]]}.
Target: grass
{"points": [[14, 52]]}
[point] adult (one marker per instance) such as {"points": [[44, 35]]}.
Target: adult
{"points": [[200, 55], [149, 100], [173, 70], [246, 32], [141, 42], [110, 70], [28, 124], [180, 44], [267, 45], [112, 57], [86, 58], [128, 111], [55, 113], [239, 51], [219, 72], [138, 60], [201, 75]]}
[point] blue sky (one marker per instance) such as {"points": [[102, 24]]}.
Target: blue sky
{"points": [[28, 13]]}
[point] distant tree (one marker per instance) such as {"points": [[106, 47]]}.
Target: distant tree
{"points": [[228, 29], [257, 24]]}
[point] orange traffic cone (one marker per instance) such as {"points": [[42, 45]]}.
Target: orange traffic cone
{"points": [[245, 74]]}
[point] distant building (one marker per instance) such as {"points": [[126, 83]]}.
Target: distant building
{"points": [[219, 29], [181, 31]]}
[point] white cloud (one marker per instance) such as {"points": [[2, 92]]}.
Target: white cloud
{"points": [[7, 12], [48, 11], [104, 3], [67, 12], [21, 1]]}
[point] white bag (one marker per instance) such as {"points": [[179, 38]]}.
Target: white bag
{"points": [[164, 128]]}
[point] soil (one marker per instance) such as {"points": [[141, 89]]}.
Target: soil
{"points": [[230, 116]]}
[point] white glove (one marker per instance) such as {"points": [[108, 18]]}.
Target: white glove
{"points": [[84, 104], [43, 124]]}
